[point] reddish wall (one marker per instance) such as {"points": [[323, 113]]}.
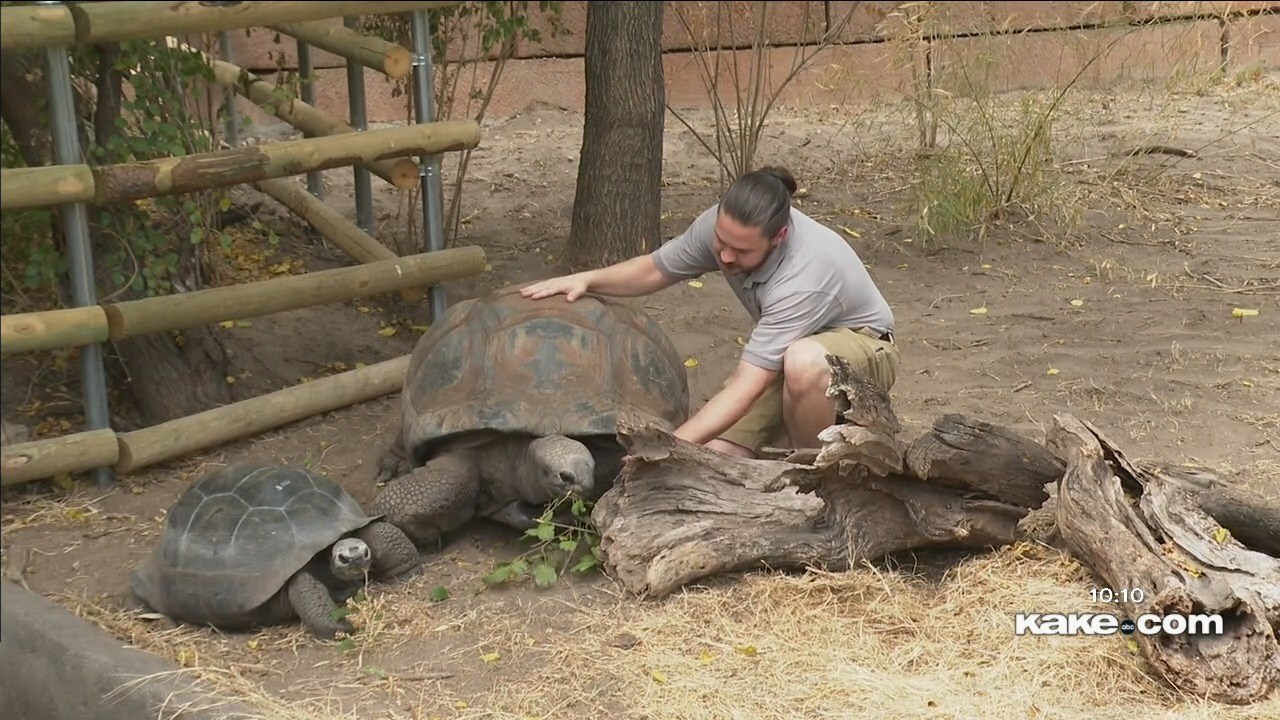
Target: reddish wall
{"points": [[868, 65]]}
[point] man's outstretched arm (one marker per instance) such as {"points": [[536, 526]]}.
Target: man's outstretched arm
{"points": [[630, 278]]}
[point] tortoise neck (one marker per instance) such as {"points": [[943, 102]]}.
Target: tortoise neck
{"points": [[508, 462]]}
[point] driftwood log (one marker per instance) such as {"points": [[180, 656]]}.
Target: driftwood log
{"points": [[679, 513], [1192, 545]]}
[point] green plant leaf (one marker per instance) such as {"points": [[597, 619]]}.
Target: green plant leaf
{"points": [[439, 593], [500, 574], [545, 531], [544, 575], [587, 562]]}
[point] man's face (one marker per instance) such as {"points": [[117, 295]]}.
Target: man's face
{"points": [[741, 249]]}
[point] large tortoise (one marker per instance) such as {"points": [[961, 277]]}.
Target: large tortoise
{"points": [[510, 403], [251, 545]]}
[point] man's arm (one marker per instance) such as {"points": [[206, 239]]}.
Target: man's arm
{"points": [[728, 406], [686, 256], [630, 278]]}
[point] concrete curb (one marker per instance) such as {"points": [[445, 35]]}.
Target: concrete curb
{"points": [[54, 665]]}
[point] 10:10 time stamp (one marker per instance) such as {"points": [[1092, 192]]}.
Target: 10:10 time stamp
{"points": [[1107, 595]]}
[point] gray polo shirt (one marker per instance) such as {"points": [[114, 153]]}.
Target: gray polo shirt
{"points": [[814, 281]]}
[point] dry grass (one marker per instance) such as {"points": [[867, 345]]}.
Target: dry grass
{"points": [[870, 643], [884, 645]]}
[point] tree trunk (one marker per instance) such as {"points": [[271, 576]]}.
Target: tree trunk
{"points": [[164, 378], [1140, 529], [23, 105], [617, 202], [680, 513]]}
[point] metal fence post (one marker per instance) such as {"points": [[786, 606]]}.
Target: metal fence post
{"points": [[315, 182], [359, 121], [428, 166], [75, 224]]}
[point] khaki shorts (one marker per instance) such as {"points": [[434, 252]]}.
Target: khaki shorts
{"points": [[875, 359]]}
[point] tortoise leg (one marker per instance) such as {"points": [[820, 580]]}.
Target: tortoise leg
{"points": [[394, 555], [310, 600], [392, 463], [432, 500], [519, 515]]}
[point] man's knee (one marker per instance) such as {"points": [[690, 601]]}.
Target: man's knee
{"points": [[805, 366]]}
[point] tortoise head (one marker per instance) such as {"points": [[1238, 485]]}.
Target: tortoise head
{"points": [[350, 559], [564, 465]]}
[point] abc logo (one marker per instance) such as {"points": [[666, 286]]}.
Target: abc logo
{"points": [[1127, 627]]}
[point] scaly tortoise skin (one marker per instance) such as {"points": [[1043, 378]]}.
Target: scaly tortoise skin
{"points": [[510, 403], [252, 545]]}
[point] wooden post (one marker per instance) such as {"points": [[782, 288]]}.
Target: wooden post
{"points": [[141, 448], [192, 309], [350, 239], [39, 459], [361, 246], [386, 57], [401, 172], [126, 182], [25, 26], [48, 185], [52, 329]]}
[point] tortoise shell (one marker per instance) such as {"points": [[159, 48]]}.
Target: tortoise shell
{"points": [[505, 363], [235, 538]]}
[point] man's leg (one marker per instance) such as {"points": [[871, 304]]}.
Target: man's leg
{"points": [[756, 429], [806, 409]]}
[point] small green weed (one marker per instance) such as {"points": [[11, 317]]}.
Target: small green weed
{"points": [[559, 546]]}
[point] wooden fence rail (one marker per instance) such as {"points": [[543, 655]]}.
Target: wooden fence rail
{"points": [[125, 182], [333, 144], [400, 172], [53, 329], [386, 57], [84, 23], [138, 449]]}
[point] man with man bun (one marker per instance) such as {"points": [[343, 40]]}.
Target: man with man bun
{"points": [[804, 286]]}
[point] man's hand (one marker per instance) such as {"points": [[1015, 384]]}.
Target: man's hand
{"points": [[571, 286]]}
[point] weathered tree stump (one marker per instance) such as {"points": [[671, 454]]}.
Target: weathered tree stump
{"points": [[679, 513], [1187, 543]]}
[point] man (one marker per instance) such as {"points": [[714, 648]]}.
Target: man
{"points": [[807, 290]]}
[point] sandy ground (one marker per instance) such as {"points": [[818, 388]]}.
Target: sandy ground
{"points": [[1123, 318]]}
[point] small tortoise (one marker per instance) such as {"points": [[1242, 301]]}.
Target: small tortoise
{"points": [[252, 545], [511, 403]]}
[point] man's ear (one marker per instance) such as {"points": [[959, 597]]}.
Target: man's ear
{"points": [[777, 239]]}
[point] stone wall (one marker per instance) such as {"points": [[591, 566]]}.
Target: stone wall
{"points": [[876, 55]]}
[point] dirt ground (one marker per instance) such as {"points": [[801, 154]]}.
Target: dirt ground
{"points": [[1124, 319]]}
